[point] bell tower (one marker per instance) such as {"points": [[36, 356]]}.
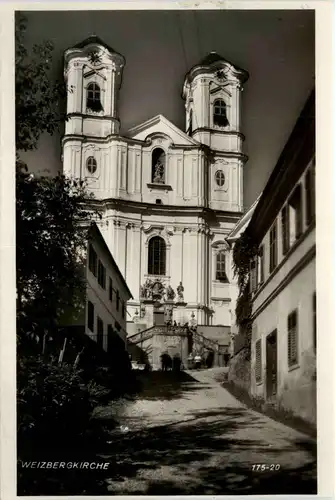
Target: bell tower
{"points": [[93, 76], [212, 91]]}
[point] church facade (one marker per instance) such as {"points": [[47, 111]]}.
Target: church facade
{"points": [[169, 198]]}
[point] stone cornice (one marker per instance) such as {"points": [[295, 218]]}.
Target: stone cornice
{"points": [[141, 207], [100, 140], [94, 116], [219, 131]]}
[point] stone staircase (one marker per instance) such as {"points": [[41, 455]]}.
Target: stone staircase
{"points": [[140, 345], [139, 337]]}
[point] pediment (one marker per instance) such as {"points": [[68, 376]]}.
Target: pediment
{"points": [[161, 127]]}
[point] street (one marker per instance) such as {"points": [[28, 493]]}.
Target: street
{"points": [[193, 437]]}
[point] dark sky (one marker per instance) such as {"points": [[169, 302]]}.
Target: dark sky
{"points": [[275, 47]]}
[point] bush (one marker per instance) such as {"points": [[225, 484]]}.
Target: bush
{"points": [[52, 402]]}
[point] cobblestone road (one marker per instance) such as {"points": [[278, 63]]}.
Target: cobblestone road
{"points": [[193, 437]]}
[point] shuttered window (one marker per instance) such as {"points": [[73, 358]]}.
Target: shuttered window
{"points": [[292, 327], [92, 260], [258, 365], [90, 316], [101, 275], [100, 333], [253, 275], [310, 195], [295, 214], [285, 224], [261, 264], [111, 289], [273, 247]]}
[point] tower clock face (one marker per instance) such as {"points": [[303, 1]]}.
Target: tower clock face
{"points": [[94, 57], [222, 73]]}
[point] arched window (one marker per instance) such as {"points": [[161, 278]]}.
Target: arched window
{"points": [[158, 166], [221, 267], [91, 164], [220, 113], [190, 122], [157, 256], [93, 101]]}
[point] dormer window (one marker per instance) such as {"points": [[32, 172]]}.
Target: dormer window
{"points": [[93, 101], [158, 166], [220, 113]]}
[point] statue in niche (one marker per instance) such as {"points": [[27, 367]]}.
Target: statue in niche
{"points": [[170, 293], [180, 292], [146, 289], [157, 290], [159, 172]]}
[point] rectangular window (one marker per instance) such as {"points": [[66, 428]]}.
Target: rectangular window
{"points": [[92, 260], [261, 264], [221, 267], [258, 357], [292, 344], [101, 275], [117, 300], [314, 321], [100, 333], [273, 247], [253, 275], [285, 225], [295, 214], [90, 316], [310, 195], [110, 338], [111, 289], [123, 310]]}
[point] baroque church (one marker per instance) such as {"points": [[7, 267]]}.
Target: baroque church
{"points": [[170, 199]]}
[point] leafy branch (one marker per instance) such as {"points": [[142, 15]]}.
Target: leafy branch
{"points": [[244, 252]]}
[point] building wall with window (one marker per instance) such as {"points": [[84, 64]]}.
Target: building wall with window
{"points": [[169, 198], [283, 278], [106, 294]]}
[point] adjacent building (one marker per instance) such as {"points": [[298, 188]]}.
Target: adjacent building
{"points": [[283, 279], [99, 313], [107, 294]]}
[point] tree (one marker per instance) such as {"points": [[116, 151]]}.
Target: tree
{"points": [[52, 214], [51, 236], [39, 101]]}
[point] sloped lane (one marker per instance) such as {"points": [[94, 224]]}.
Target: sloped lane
{"points": [[204, 441]]}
